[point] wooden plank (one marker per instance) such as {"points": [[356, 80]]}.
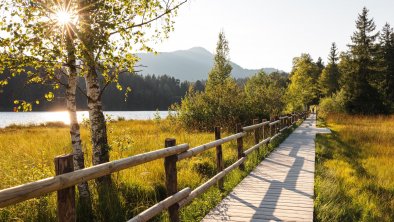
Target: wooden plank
{"points": [[280, 188], [268, 205], [271, 201], [246, 217], [239, 210]]}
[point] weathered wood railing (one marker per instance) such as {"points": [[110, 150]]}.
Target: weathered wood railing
{"points": [[66, 178]]}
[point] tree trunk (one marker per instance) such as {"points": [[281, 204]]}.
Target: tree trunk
{"points": [[79, 160], [96, 116], [76, 142], [98, 126]]}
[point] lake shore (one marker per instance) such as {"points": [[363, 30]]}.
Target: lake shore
{"points": [[38, 118]]}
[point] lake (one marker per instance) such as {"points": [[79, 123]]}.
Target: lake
{"points": [[24, 118]]}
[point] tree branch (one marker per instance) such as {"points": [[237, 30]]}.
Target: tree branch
{"points": [[151, 20]]}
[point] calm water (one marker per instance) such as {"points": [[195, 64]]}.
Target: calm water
{"points": [[22, 118]]}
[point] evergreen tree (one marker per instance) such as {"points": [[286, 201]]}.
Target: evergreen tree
{"points": [[199, 86], [221, 102], [387, 62], [329, 79], [333, 57], [360, 94], [221, 69], [320, 64]]}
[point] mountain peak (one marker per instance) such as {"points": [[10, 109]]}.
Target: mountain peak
{"points": [[199, 50], [192, 64]]}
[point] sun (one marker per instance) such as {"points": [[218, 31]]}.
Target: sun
{"points": [[63, 17]]}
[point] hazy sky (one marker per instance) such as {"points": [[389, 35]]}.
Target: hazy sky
{"points": [[269, 33]]}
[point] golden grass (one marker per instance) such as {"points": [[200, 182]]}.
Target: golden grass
{"points": [[355, 176], [27, 155]]}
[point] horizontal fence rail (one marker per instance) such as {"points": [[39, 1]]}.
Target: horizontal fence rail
{"points": [[38, 188], [275, 122], [251, 149], [205, 186], [264, 132], [162, 205], [199, 149], [252, 127]]}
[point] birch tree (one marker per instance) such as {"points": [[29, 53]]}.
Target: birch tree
{"points": [[106, 35], [109, 31], [37, 42]]}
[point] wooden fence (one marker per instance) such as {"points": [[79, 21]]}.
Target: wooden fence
{"points": [[66, 178]]}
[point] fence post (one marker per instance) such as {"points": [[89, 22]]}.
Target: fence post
{"points": [[219, 158], [282, 123], [65, 197], [263, 129], [171, 179], [256, 132], [288, 120], [240, 146]]}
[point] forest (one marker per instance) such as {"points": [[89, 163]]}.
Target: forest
{"points": [[148, 92]]}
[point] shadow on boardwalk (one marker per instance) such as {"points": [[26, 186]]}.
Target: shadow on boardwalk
{"points": [[281, 187]]}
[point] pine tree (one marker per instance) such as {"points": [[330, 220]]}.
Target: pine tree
{"points": [[222, 69], [221, 103], [333, 57], [320, 64], [361, 96], [387, 62], [328, 81]]}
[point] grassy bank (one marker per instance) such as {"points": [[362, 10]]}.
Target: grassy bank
{"points": [[27, 155], [354, 171]]}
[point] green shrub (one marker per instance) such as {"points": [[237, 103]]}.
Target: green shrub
{"points": [[264, 94], [220, 106], [332, 104]]}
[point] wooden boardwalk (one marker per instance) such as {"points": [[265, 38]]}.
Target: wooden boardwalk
{"points": [[281, 186]]}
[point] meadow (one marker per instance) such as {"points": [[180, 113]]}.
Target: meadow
{"points": [[354, 169], [27, 155]]}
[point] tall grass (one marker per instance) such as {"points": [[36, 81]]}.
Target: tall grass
{"points": [[354, 172], [27, 155]]}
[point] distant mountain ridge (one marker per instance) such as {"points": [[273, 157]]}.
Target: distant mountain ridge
{"points": [[192, 65]]}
